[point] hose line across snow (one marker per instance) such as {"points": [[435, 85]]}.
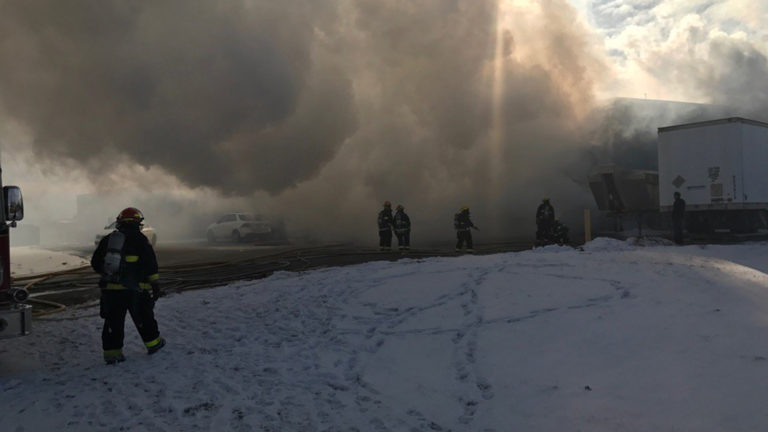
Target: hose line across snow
{"points": [[184, 277]]}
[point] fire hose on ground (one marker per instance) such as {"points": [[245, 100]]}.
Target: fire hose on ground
{"points": [[184, 277], [175, 280]]}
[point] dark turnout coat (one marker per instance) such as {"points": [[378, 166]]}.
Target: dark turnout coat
{"points": [[678, 209], [402, 222], [138, 263], [545, 213], [462, 222], [385, 220]]}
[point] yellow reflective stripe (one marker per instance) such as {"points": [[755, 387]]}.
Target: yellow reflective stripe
{"points": [[152, 343], [114, 286], [131, 258], [114, 352], [153, 277], [145, 286]]}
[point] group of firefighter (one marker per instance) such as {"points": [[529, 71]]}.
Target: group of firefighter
{"points": [[548, 229], [400, 223], [128, 267]]}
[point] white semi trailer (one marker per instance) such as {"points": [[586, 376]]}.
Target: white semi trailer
{"points": [[720, 168]]}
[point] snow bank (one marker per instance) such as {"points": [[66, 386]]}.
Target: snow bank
{"points": [[29, 260], [650, 241], [552, 249], [605, 244], [618, 339]]}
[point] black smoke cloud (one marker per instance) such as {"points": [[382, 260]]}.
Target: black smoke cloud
{"points": [[430, 144], [221, 94], [328, 106], [625, 129], [735, 76]]}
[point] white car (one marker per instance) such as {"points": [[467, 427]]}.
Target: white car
{"points": [[145, 229], [240, 226]]}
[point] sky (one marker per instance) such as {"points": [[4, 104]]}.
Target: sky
{"points": [[320, 110], [687, 50]]}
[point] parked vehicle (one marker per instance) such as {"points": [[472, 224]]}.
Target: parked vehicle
{"points": [[145, 229], [238, 227]]}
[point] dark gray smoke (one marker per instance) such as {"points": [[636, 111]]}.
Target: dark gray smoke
{"points": [[329, 106], [625, 129], [428, 116], [735, 76], [220, 94]]}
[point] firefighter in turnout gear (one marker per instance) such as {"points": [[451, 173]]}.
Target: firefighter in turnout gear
{"points": [[545, 222], [129, 283], [402, 226], [560, 234], [385, 222], [462, 223], [678, 218]]}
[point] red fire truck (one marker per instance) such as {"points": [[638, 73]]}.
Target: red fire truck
{"points": [[15, 314]]}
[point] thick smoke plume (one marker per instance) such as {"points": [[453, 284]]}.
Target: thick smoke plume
{"points": [[225, 95], [322, 109]]}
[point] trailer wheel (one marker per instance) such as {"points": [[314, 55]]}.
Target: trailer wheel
{"points": [[762, 219], [740, 222], [698, 222]]}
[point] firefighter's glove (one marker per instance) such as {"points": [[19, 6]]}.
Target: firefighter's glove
{"points": [[156, 292]]}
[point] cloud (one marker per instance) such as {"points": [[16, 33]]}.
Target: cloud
{"points": [[709, 51], [612, 15]]}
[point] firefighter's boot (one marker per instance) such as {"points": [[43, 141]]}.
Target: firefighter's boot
{"points": [[155, 347], [113, 357]]}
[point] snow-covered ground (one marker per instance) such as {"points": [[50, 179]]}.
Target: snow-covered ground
{"points": [[612, 338], [29, 260]]}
